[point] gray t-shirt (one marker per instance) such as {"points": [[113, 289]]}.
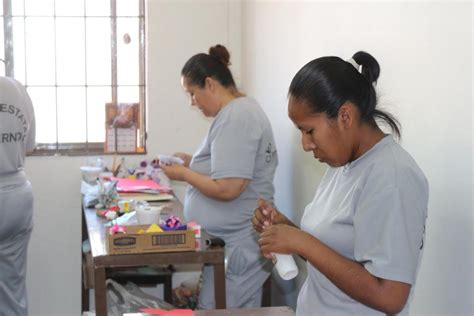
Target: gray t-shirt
{"points": [[373, 211], [239, 144], [17, 126]]}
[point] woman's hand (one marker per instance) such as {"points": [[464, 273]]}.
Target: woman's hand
{"points": [[186, 158], [266, 214], [175, 172], [279, 238], [263, 215]]}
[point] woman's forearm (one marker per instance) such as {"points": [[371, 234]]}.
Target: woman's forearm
{"points": [[352, 278], [221, 189]]}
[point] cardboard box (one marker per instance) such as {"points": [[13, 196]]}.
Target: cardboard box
{"points": [[133, 242]]}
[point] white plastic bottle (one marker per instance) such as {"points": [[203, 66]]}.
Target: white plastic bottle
{"points": [[285, 265]]}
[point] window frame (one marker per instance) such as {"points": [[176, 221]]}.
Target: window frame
{"points": [[85, 148]]}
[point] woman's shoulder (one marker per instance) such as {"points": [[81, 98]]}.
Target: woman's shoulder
{"points": [[245, 108], [394, 164], [244, 104], [10, 84]]}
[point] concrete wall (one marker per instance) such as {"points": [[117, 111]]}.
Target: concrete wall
{"points": [[425, 52], [176, 31]]}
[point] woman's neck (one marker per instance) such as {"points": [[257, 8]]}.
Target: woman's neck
{"points": [[228, 95], [367, 137]]}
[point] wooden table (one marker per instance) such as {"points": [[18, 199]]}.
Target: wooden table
{"points": [[93, 229], [265, 311]]}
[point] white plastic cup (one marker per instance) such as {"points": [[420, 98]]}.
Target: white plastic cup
{"points": [[147, 215], [286, 266], [90, 174]]}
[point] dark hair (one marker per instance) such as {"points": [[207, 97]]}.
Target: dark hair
{"points": [[327, 82], [215, 65]]}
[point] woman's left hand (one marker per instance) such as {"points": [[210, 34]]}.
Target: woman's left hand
{"points": [[279, 238], [174, 172]]}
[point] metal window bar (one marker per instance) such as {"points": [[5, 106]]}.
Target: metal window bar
{"points": [[141, 34], [8, 40], [55, 74], [85, 76], [58, 148], [113, 46]]}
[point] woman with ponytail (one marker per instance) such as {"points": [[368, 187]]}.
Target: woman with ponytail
{"points": [[362, 234], [232, 168]]}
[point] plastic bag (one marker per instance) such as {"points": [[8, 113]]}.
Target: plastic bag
{"points": [[130, 299], [187, 294], [105, 194]]}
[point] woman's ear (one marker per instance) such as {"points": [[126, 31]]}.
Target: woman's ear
{"points": [[210, 84], [346, 115]]}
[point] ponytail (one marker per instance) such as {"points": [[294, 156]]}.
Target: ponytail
{"points": [[328, 82]]}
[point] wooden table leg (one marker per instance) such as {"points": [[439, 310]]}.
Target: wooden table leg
{"points": [[100, 292], [168, 289], [84, 298], [84, 288], [219, 286]]}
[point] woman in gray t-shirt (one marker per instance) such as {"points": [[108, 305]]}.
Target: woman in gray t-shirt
{"points": [[233, 167], [17, 138], [362, 235]]}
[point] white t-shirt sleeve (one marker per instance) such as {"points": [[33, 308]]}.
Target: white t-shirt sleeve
{"points": [[235, 141], [388, 230]]}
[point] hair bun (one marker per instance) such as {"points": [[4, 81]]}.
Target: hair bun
{"points": [[221, 53], [370, 66]]}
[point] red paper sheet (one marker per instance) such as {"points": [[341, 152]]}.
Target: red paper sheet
{"points": [[173, 312]]}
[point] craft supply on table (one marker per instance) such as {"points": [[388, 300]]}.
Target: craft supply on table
{"points": [[154, 229], [148, 214], [196, 228], [170, 160], [173, 223], [116, 229], [90, 173], [125, 219], [148, 197], [126, 205], [140, 185]]}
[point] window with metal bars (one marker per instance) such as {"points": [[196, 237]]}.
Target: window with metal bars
{"points": [[75, 57]]}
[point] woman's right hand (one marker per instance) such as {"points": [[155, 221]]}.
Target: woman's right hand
{"points": [[186, 158], [265, 215], [280, 239]]}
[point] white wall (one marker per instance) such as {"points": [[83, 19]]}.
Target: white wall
{"points": [[176, 31], [425, 52]]}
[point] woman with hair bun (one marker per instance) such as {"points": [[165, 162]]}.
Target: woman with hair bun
{"points": [[362, 235], [233, 167]]}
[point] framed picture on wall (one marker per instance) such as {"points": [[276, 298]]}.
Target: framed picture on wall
{"points": [[121, 127]]}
